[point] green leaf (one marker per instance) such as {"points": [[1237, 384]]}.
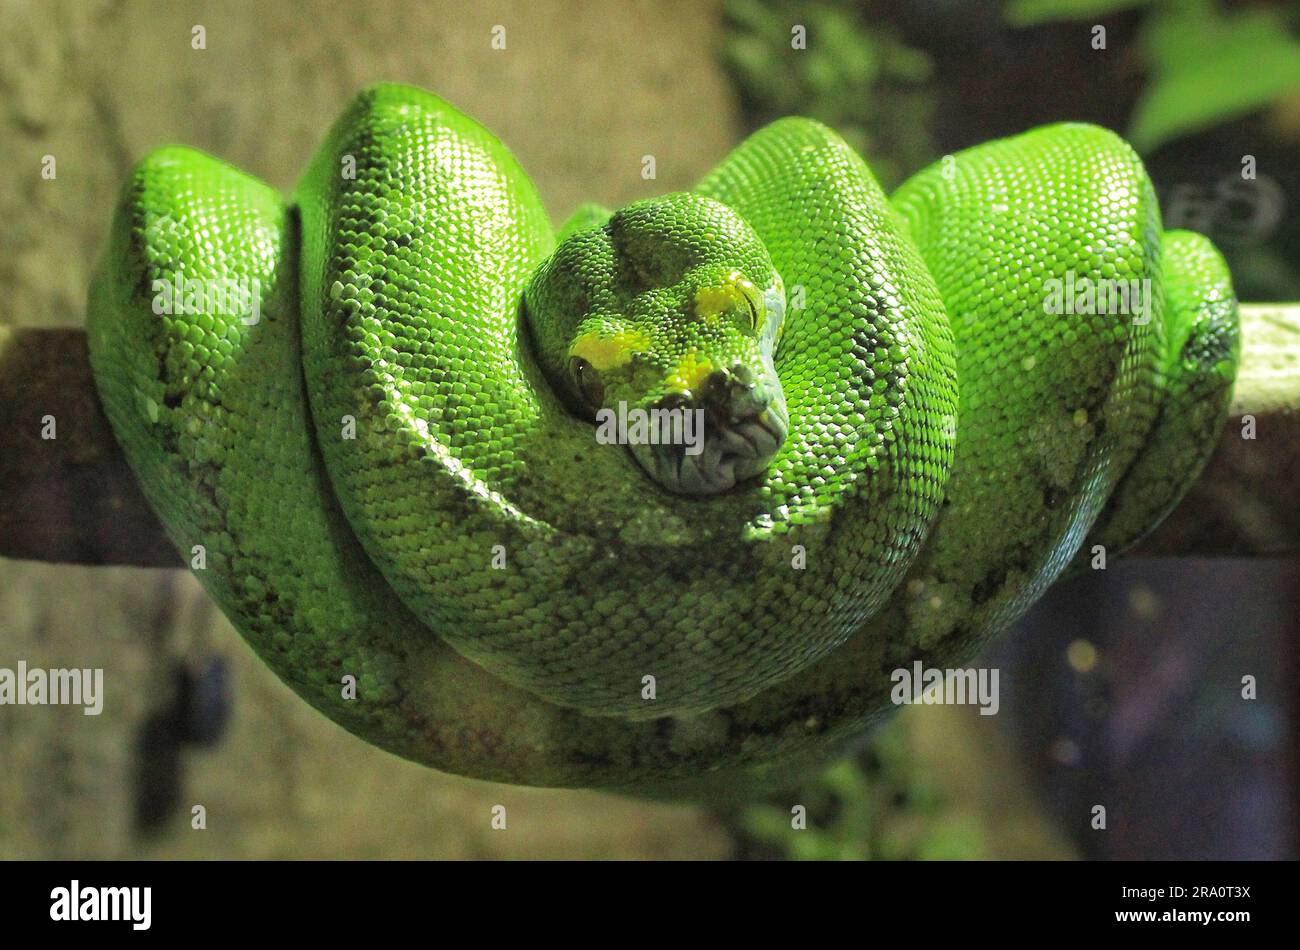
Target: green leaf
{"points": [[1033, 12], [1209, 67]]}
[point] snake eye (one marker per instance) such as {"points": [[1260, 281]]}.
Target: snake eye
{"points": [[736, 298], [753, 311], [588, 382], [753, 303]]}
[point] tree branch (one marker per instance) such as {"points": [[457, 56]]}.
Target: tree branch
{"points": [[72, 498]]}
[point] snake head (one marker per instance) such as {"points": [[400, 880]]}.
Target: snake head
{"points": [[660, 326]]}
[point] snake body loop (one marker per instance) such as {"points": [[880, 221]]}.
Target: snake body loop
{"points": [[394, 469]]}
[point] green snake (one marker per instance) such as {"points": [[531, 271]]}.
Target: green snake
{"points": [[661, 498]]}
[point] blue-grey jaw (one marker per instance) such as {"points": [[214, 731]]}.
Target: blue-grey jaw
{"points": [[739, 442]]}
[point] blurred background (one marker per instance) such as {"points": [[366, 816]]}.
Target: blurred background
{"points": [[1121, 689]]}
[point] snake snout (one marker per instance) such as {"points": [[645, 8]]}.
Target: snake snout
{"points": [[730, 432]]}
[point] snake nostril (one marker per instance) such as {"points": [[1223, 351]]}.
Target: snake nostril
{"points": [[673, 401], [730, 393], [718, 383], [724, 387]]}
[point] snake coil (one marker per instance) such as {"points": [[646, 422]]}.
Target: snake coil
{"points": [[377, 474]]}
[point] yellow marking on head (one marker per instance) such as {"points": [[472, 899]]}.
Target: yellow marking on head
{"points": [[736, 293], [689, 373], [609, 352]]}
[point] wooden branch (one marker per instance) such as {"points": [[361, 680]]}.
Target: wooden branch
{"points": [[72, 498]]}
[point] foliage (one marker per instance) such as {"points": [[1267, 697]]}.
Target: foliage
{"points": [[1034, 12], [878, 805], [861, 80], [1209, 67], [1206, 66]]}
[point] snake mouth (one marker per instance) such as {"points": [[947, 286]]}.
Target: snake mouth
{"points": [[734, 443]]}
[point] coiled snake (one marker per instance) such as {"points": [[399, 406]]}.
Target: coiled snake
{"points": [[888, 425]]}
